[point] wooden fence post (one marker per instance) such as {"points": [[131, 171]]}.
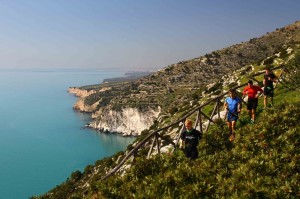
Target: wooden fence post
{"points": [[281, 72], [200, 120], [157, 143], [218, 107], [179, 134], [211, 116], [197, 120], [151, 148]]}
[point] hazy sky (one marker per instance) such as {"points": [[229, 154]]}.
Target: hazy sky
{"points": [[130, 34]]}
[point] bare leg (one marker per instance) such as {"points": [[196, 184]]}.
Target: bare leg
{"points": [[271, 98], [253, 115], [229, 126], [250, 113], [265, 101], [233, 126], [232, 136]]}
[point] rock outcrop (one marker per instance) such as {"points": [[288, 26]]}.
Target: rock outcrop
{"points": [[80, 92], [128, 121], [81, 106]]}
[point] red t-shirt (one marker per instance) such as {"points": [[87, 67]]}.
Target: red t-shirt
{"points": [[252, 91]]}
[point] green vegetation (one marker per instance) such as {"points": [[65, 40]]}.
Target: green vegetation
{"points": [[263, 161], [214, 87]]}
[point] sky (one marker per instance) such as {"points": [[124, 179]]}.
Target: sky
{"points": [[130, 34]]}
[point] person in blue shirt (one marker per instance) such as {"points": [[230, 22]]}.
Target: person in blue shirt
{"points": [[233, 105]]}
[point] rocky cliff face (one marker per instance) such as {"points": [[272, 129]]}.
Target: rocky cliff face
{"points": [[80, 92], [128, 121], [81, 106]]}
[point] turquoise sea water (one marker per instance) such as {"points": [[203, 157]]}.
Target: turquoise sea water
{"points": [[41, 140]]}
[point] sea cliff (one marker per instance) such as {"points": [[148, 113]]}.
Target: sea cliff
{"points": [[128, 121]]}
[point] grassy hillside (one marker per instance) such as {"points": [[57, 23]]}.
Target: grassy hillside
{"points": [[263, 161]]}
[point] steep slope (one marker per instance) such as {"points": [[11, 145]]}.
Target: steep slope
{"points": [[263, 162], [130, 107], [268, 152]]}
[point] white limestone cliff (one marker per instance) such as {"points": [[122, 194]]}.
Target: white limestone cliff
{"points": [[128, 121]]}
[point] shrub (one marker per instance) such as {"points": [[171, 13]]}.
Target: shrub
{"points": [[261, 163], [75, 176], [268, 61], [173, 110], [214, 87]]}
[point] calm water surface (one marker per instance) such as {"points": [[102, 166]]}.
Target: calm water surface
{"points": [[41, 141]]}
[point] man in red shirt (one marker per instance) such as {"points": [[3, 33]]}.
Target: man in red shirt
{"points": [[252, 92]]}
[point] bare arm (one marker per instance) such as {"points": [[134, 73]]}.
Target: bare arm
{"points": [[225, 105], [240, 106]]}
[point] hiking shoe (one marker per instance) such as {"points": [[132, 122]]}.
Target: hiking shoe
{"points": [[232, 137], [251, 122]]}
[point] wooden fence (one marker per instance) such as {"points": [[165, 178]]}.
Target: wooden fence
{"points": [[201, 116]]}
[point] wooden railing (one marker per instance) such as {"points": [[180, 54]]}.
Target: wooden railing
{"points": [[156, 135]]}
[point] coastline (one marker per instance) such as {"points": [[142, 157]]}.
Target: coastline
{"points": [[42, 133], [84, 91], [128, 76]]}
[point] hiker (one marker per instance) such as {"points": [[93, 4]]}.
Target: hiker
{"points": [[269, 78], [191, 139], [252, 92], [233, 105]]}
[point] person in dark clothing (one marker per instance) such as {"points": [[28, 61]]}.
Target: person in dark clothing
{"points": [[191, 139], [269, 78]]}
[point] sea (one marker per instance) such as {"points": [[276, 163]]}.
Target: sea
{"points": [[41, 137]]}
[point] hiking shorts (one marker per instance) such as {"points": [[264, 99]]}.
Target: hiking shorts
{"points": [[191, 153], [252, 104], [268, 91], [232, 117]]}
